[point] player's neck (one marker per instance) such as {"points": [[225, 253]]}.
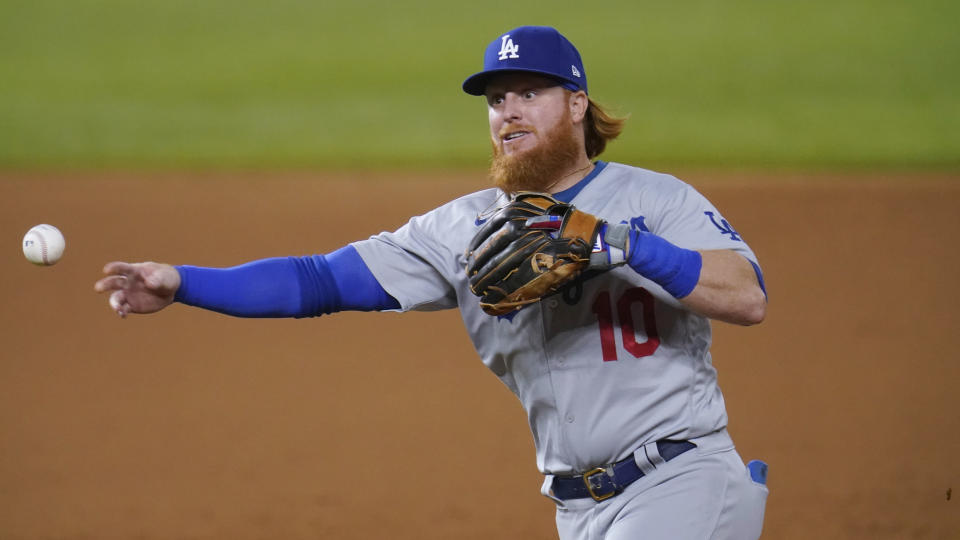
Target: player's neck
{"points": [[574, 174]]}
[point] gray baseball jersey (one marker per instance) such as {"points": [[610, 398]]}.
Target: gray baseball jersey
{"points": [[609, 365]]}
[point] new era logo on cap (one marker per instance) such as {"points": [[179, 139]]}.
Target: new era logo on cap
{"points": [[545, 52]]}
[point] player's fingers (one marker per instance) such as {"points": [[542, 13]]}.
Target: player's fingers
{"points": [[119, 303], [118, 267], [110, 283]]}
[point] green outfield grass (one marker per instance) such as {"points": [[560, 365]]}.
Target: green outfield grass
{"points": [[88, 84]]}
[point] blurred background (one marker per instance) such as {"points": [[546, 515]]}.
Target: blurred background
{"points": [[298, 84], [213, 132]]}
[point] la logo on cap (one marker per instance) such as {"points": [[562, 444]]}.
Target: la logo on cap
{"points": [[507, 48]]}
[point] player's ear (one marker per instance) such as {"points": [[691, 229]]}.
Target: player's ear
{"points": [[578, 105]]}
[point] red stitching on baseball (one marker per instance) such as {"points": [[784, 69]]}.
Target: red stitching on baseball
{"points": [[43, 248]]}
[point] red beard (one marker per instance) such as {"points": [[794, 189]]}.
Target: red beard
{"points": [[540, 167]]}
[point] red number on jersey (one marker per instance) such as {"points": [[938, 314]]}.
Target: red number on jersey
{"points": [[603, 308]]}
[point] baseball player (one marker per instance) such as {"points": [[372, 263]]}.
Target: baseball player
{"points": [[611, 361]]}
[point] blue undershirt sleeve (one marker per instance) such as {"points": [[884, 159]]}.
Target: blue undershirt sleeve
{"points": [[359, 289], [286, 287]]}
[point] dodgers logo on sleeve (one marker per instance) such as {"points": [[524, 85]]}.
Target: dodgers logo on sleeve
{"points": [[724, 226]]}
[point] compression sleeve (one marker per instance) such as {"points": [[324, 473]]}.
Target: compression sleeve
{"points": [[359, 289], [286, 287], [675, 269]]}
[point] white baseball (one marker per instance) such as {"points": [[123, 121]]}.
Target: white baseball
{"points": [[43, 245]]}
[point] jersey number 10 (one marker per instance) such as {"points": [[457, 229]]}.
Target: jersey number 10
{"points": [[603, 308]]}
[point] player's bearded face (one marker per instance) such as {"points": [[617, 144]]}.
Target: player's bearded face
{"points": [[537, 168]]}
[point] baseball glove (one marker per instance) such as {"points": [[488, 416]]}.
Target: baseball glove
{"points": [[530, 249]]}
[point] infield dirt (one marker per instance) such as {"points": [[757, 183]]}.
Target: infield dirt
{"points": [[190, 424]]}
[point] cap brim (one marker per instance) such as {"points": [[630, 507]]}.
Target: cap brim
{"points": [[476, 84]]}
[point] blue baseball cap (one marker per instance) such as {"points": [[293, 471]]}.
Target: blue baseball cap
{"points": [[533, 49]]}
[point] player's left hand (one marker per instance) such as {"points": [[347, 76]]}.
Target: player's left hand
{"points": [[139, 287], [528, 250]]}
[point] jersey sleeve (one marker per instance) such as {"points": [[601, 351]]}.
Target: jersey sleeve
{"points": [[420, 263], [690, 221]]}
